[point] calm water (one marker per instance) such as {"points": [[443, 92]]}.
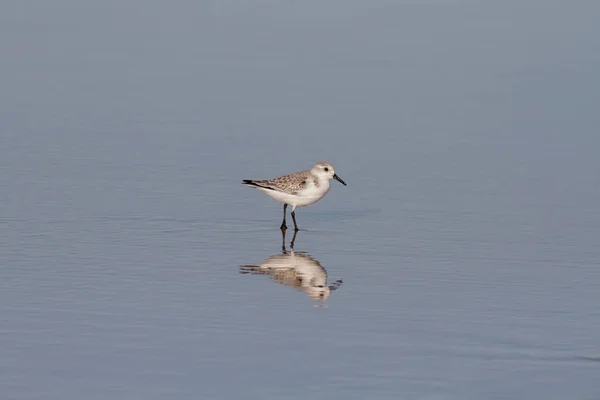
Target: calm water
{"points": [[463, 253]]}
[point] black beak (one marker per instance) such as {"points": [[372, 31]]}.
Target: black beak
{"points": [[337, 178]]}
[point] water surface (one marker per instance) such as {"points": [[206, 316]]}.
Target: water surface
{"points": [[466, 239]]}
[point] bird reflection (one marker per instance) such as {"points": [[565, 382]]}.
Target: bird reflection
{"points": [[295, 269]]}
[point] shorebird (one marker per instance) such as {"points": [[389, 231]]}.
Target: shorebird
{"points": [[298, 189]]}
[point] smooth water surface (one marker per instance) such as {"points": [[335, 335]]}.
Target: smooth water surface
{"points": [[460, 262]]}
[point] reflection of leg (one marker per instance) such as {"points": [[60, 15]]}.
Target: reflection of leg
{"points": [[294, 218], [283, 241], [283, 225], [293, 239]]}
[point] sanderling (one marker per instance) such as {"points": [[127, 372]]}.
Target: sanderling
{"points": [[298, 189]]}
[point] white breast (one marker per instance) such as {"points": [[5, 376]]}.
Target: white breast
{"points": [[311, 193]]}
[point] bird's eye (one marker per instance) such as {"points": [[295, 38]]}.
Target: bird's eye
{"points": [[326, 169]]}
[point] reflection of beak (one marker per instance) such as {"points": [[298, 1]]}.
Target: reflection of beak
{"points": [[337, 178], [335, 285]]}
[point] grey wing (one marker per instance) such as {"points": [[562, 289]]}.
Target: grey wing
{"points": [[291, 183]]}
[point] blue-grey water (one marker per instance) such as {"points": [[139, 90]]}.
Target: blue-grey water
{"points": [[467, 238]]}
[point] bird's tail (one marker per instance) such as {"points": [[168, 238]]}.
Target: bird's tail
{"points": [[256, 184]]}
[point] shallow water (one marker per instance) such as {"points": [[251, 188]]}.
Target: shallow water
{"points": [[463, 254]]}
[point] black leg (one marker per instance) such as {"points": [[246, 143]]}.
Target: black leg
{"points": [[283, 225], [294, 218], [293, 239]]}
